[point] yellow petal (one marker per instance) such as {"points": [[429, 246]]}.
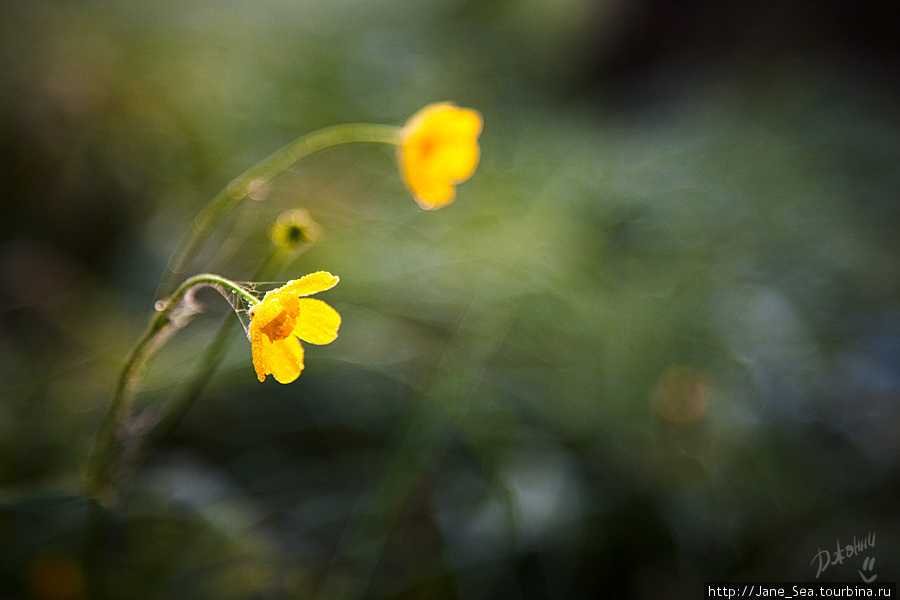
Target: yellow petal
{"points": [[283, 359], [317, 323], [259, 361], [306, 285], [281, 317], [455, 160], [445, 118], [439, 149], [447, 142], [429, 192]]}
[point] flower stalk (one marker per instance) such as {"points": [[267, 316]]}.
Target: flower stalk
{"points": [[254, 178], [192, 387], [171, 314]]}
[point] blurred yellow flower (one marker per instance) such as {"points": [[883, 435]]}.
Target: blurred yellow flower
{"points": [[283, 316], [438, 148]]}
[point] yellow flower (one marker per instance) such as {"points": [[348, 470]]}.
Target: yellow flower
{"points": [[438, 148], [283, 316]]}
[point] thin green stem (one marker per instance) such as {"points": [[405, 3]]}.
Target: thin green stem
{"points": [[192, 387], [105, 443], [245, 184], [102, 475]]}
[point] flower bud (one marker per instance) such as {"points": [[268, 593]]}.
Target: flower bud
{"points": [[295, 228]]}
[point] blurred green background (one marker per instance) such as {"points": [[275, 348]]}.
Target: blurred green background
{"points": [[654, 342]]}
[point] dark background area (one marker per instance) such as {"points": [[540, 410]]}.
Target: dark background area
{"points": [[655, 341]]}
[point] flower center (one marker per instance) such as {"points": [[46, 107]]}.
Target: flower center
{"points": [[426, 147], [279, 327]]}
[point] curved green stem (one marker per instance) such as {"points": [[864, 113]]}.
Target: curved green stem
{"points": [[101, 478], [249, 181], [105, 443], [191, 389]]}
